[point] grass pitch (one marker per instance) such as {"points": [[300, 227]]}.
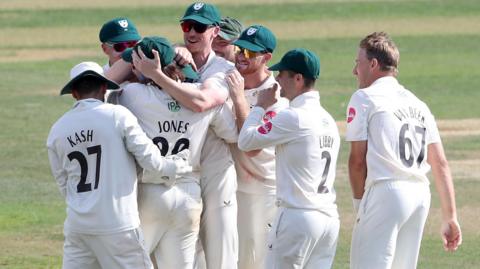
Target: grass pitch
{"points": [[43, 39]]}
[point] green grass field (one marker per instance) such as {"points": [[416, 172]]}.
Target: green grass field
{"points": [[42, 39]]}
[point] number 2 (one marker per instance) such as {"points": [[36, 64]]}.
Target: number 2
{"points": [[162, 144], [82, 161], [322, 188]]}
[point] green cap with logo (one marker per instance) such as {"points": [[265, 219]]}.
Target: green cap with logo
{"points": [[230, 29], [300, 61], [118, 30], [203, 13], [165, 51], [257, 38]]}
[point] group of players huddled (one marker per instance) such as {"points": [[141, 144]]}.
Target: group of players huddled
{"points": [[195, 155]]}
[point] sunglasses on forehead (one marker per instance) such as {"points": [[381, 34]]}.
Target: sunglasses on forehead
{"points": [[198, 27], [121, 46], [248, 54]]}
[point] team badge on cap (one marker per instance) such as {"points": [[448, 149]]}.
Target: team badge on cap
{"points": [[123, 23], [251, 31], [351, 114], [198, 6]]}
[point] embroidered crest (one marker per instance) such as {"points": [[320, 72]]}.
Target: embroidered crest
{"points": [[251, 31], [123, 23], [198, 6]]}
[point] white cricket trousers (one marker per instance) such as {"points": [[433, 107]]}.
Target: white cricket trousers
{"points": [[302, 239], [170, 220], [218, 225], [389, 225], [118, 250], [256, 214]]}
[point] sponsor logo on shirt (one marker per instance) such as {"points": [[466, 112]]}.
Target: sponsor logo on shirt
{"points": [[265, 128], [173, 106], [269, 115], [351, 114]]}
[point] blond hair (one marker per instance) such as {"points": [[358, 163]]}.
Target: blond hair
{"points": [[380, 46]]}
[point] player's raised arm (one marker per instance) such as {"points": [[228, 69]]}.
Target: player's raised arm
{"points": [[197, 100]]}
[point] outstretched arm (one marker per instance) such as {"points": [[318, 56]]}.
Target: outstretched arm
{"points": [[451, 233], [188, 95]]}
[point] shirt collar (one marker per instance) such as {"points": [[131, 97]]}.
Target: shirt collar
{"points": [[387, 79], [312, 95], [86, 103], [210, 58]]}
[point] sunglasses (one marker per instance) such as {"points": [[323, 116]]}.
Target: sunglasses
{"points": [[248, 54], [198, 27], [121, 46]]}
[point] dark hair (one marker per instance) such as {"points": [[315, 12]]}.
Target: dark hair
{"points": [[174, 72], [380, 46], [88, 84]]}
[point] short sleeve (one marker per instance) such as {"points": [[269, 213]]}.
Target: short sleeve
{"points": [[357, 118]]}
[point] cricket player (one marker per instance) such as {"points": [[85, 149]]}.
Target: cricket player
{"points": [[116, 35], [394, 142], [306, 142], [230, 30], [255, 169], [170, 216], [92, 151], [218, 228]]}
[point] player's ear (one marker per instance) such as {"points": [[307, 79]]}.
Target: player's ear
{"points": [[374, 63], [104, 48], [267, 56], [75, 94]]}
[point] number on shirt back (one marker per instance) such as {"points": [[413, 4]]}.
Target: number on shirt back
{"points": [[82, 161], [328, 158], [405, 143], [162, 144]]}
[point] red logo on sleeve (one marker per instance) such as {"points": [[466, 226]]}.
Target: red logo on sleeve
{"points": [[265, 129], [269, 115], [351, 114]]}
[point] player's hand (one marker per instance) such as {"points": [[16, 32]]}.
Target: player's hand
{"points": [[267, 97], [148, 67], [451, 235], [175, 166], [184, 57], [236, 84]]}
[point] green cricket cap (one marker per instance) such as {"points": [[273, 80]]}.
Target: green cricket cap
{"points": [[257, 38], [230, 28], [203, 13], [118, 30], [85, 69], [300, 61], [165, 50]]}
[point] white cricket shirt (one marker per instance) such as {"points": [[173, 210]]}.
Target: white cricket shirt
{"points": [[173, 127], [91, 150], [215, 155], [398, 127], [256, 174], [306, 142]]}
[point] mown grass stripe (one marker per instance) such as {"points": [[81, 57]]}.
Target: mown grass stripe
{"points": [[246, 12]]}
